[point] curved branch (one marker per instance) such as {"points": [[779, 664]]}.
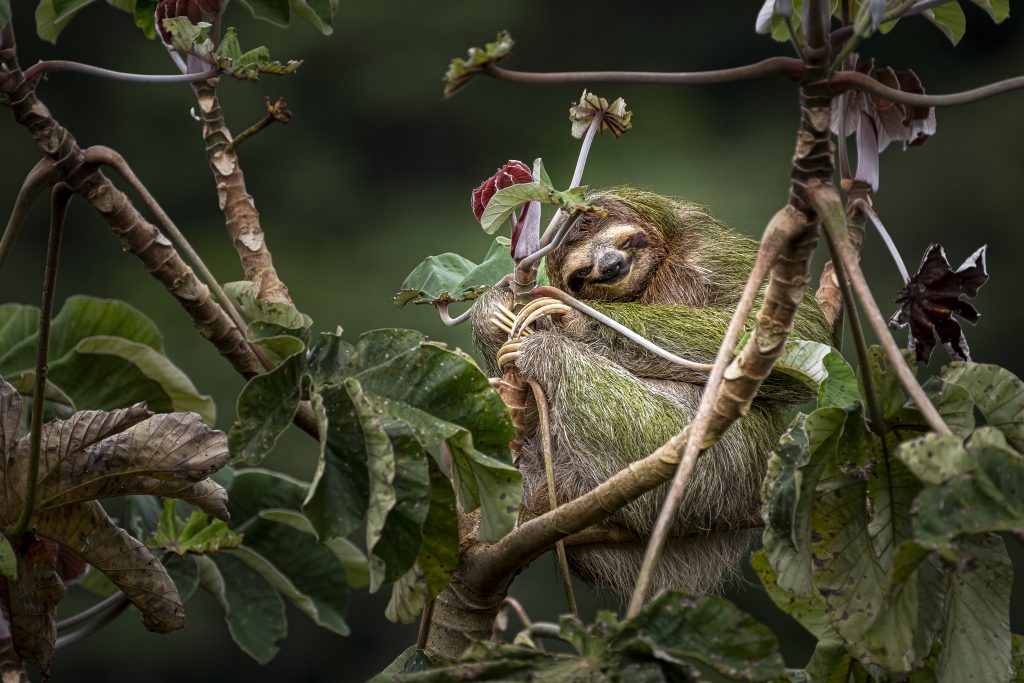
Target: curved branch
{"points": [[852, 80], [99, 154], [39, 68], [569, 300], [719, 408], [92, 627], [829, 207], [442, 311], [785, 66], [33, 186], [90, 612], [135, 233]]}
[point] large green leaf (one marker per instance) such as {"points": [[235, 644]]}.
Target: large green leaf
{"points": [[676, 637], [104, 354], [252, 607], [319, 13], [976, 638], [5, 11], [998, 394], [451, 277], [820, 368], [989, 496], [512, 198], [53, 15], [441, 397], [949, 18], [999, 10]]}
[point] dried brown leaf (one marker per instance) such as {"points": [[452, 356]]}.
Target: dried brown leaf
{"points": [[86, 530], [31, 602]]}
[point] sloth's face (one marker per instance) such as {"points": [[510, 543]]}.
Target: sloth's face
{"points": [[613, 263]]}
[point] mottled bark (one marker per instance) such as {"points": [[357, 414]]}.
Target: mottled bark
{"points": [[241, 218], [137, 235]]}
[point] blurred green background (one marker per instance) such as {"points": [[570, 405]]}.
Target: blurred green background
{"points": [[374, 173]]}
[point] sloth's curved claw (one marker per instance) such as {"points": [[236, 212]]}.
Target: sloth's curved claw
{"points": [[537, 309], [504, 319], [508, 353]]}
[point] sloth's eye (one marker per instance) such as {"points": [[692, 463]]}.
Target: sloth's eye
{"points": [[626, 243]]}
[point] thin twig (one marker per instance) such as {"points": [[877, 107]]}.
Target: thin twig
{"points": [[88, 613], [424, 630], [278, 111], [543, 629], [92, 627], [39, 68], [547, 247], [98, 154], [786, 66], [827, 204], [770, 246], [854, 80], [859, 339], [58, 210], [33, 186], [549, 470], [569, 300]]}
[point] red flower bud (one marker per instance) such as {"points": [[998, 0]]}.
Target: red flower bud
{"points": [[512, 173]]}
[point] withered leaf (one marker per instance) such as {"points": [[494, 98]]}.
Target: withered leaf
{"points": [[31, 602], [931, 297], [91, 455]]}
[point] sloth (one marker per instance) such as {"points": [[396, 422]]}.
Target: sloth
{"points": [[672, 272]]}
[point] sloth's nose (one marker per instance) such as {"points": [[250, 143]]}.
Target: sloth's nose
{"points": [[610, 265]]}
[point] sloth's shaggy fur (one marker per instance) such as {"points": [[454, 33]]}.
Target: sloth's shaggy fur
{"points": [[612, 402]]}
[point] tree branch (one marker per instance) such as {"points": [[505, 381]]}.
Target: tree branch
{"points": [[35, 181], [39, 68], [241, 218], [60, 198], [785, 66], [853, 80], [733, 384], [136, 234], [828, 205]]}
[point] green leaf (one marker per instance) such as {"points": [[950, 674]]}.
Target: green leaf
{"points": [[5, 11], [284, 317], [794, 470], [988, 497], [820, 368], [976, 638], [461, 70], [319, 13], [200, 535], [52, 16], [438, 556], [511, 198], [451, 277], [810, 610], [285, 551], [998, 395], [104, 354], [999, 10], [441, 396], [936, 458], [252, 608], [949, 18], [8, 562], [675, 627], [266, 406], [349, 555]]}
